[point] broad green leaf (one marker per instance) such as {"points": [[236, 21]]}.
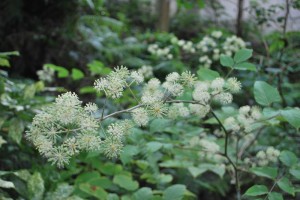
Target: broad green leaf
{"points": [[242, 55], [110, 168], [205, 74], [295, 173], [153, 146], [226, 61], [286, 186], [158, 125], [175, 164], [257, 190], [23, 174], [16, 128], [87, 89], [292, 116], [125, 182], [4, 62], [97, 68], [174, 192], [36, 186], [10, 53], [245, 66], [128, 152], [86, 177], [268, 172], [265, 94], [62, 72], [29, 91], [143, 194], [288, 158], [195, 171], [219, 170], [6, 184], [164, 178], [102, 182], [112, 197], [93, 190], [275, 196], [77, 74]]}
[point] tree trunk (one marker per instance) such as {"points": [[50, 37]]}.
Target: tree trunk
{"points": [[164, 11], [239, 18]]}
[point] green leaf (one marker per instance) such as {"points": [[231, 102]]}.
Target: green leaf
{"points": [[158, 125], [195, 171], [242, 55], [4, 62], [128, 152], [102, 182], [219, 170], [286, 186], [295, 173], [125, 182], [268, 172], [16, 128], [62, 72], [6, 184], [97, 68], [143, 193], [77, 74], [10, 53], [110, 169], [265, 94], [257, 190], [205, 74], [288, 158], [245, 66], [87, 89], [153, 146], [35, 186], [93, 190], [174, 192], [292, 116], [275, 196], [86, 177], [226, 61]]}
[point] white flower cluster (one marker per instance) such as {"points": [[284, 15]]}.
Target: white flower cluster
{"points": [[154, 49], [244, 121], [205, 61], [206, 44], [113, 143], [46, 74], [270, 155], [146, 71], [208, 149], [214, 45], [64, 129], [114, 84], [233, 44], [264, 158], [218, 90], [186, 46]]}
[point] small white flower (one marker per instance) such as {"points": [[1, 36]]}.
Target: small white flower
{"points": [[216, 34], [224, 98], [217, 84], [233, 85], [140, 116], [91, 107], [137, 77]]}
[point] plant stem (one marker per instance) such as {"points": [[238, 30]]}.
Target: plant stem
{"points": [[238, 192]]}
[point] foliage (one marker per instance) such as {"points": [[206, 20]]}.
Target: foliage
{"points": [[197, 114]]}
